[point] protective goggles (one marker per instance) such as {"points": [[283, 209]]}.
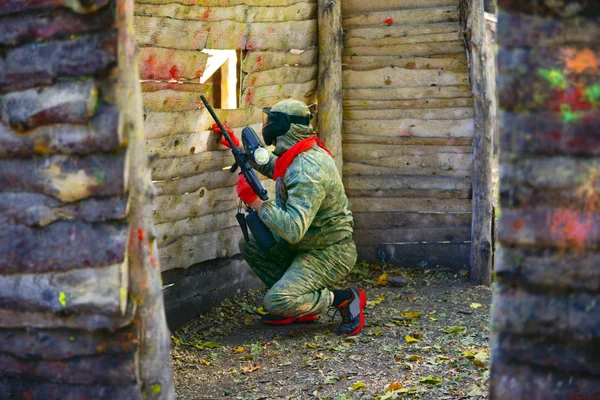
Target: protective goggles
{"points": [[276, 123]]}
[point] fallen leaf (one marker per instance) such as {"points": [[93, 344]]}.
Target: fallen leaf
{"points": [[475, 305], [376, 332], [207, 345], [475, 391], [382, 280], [380, 299], [175, 341], [430, 380], [248, 320], [357, 386], [433, 319], [414, 357], [479, 363], [455, 329], [443, 358], [261, 311], [250, 368], [394, 386], [463, 273], [238, 350], [311, 345], [411, 315], [410, 339], [468, 354], [318, 356], [397, 358], [204, 362], [411, 298]]}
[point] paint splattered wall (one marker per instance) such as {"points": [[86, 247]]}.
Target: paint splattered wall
{"points": [[546, 317], [73, 289], [195, 204], [407, 131]]}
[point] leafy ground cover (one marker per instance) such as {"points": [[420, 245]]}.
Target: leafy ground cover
{"points": [[426, 337]]}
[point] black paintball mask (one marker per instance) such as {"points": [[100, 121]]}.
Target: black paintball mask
{"points": [[276, 123]]}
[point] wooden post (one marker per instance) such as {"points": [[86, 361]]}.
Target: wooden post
{"points": [[481, 232], [329, 85], [146, 288]]}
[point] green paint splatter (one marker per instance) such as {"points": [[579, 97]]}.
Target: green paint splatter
{"points": [[156, 389], [62, 299], [72, 338], [593, 93], [555, 77]]}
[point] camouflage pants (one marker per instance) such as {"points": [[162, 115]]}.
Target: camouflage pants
{"points": [[299, 281]]}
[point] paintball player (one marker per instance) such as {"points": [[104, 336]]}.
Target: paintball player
{"points": [[310, 220]]}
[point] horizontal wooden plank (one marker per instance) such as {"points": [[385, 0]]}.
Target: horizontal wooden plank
{"points": [[177, 167], [200, 202], [540, 267], [267, 96], [358, 139], [61, 246], [115, 369], [397, 220], [46, 61], [36, 390], [169, 232], [79, 6], [299, 11], [14, 319], [96, 290], [357, 6], [418, 113], [100, 134], [558, 315], [161, 124], [369, 151], [282, 75], [257, 60], [410, 93], [175, 100], [223, 3], [63, 177], [352, 105], [65, 102], [405, 182], [532, 31], [550, 9], [406, 50], [396, 32], [160, 63], [364, 204], [190, 250], [369, 237], [412, 193], [210, 180], [370, 63], [49, 344], [546, 133], [411, 127], [183, 144], [401, 17], [352, 38], [226, 34], [34, 209], [459, 165], [391, 77], [418, 255], [550, 227]]}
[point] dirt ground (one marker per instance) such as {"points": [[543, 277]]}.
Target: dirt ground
{"points": [[425, 337]]}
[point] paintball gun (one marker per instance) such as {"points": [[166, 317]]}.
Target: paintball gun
{"points": [[253, 148]]}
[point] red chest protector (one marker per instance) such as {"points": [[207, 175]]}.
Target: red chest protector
{"points": [[283, 162]]}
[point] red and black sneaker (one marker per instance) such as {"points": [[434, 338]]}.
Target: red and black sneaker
{"points": [[271, 319], [353, 318]]}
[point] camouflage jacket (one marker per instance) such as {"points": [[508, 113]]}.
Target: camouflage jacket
{"points": [[311, 208]]}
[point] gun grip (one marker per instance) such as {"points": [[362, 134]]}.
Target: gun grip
{"points": [[233, 167], [241, 218]]}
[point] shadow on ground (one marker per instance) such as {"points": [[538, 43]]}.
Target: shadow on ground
{"points": [[426, 339]]}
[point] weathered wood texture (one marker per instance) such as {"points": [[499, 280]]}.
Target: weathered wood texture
{"points": [[74, 298], [407, 130], [545, 315]]}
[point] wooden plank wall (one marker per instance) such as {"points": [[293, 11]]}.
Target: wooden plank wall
{"points": [[407, 131], [194, 210], [70, 313]]}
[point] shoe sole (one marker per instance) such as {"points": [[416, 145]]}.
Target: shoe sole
{"points": [[294, 320], [363, 304]]}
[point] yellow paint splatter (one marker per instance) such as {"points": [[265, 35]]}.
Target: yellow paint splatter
{"points": [[156, 389], [62, 299]]}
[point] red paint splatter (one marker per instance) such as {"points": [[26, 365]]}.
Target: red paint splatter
{"points": [[555, 135], [249, 97], [152, 261], [405, 133], [570, 227], [174, 72], [518, 224], [140, 234], [259, 59], [388, 21], [248, 46], [206, 13]]}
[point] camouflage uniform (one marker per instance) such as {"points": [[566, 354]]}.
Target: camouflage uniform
{"points": [[312, 223]]}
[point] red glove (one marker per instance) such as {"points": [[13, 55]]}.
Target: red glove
{"points": [[244, 191], [224, 141]]}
